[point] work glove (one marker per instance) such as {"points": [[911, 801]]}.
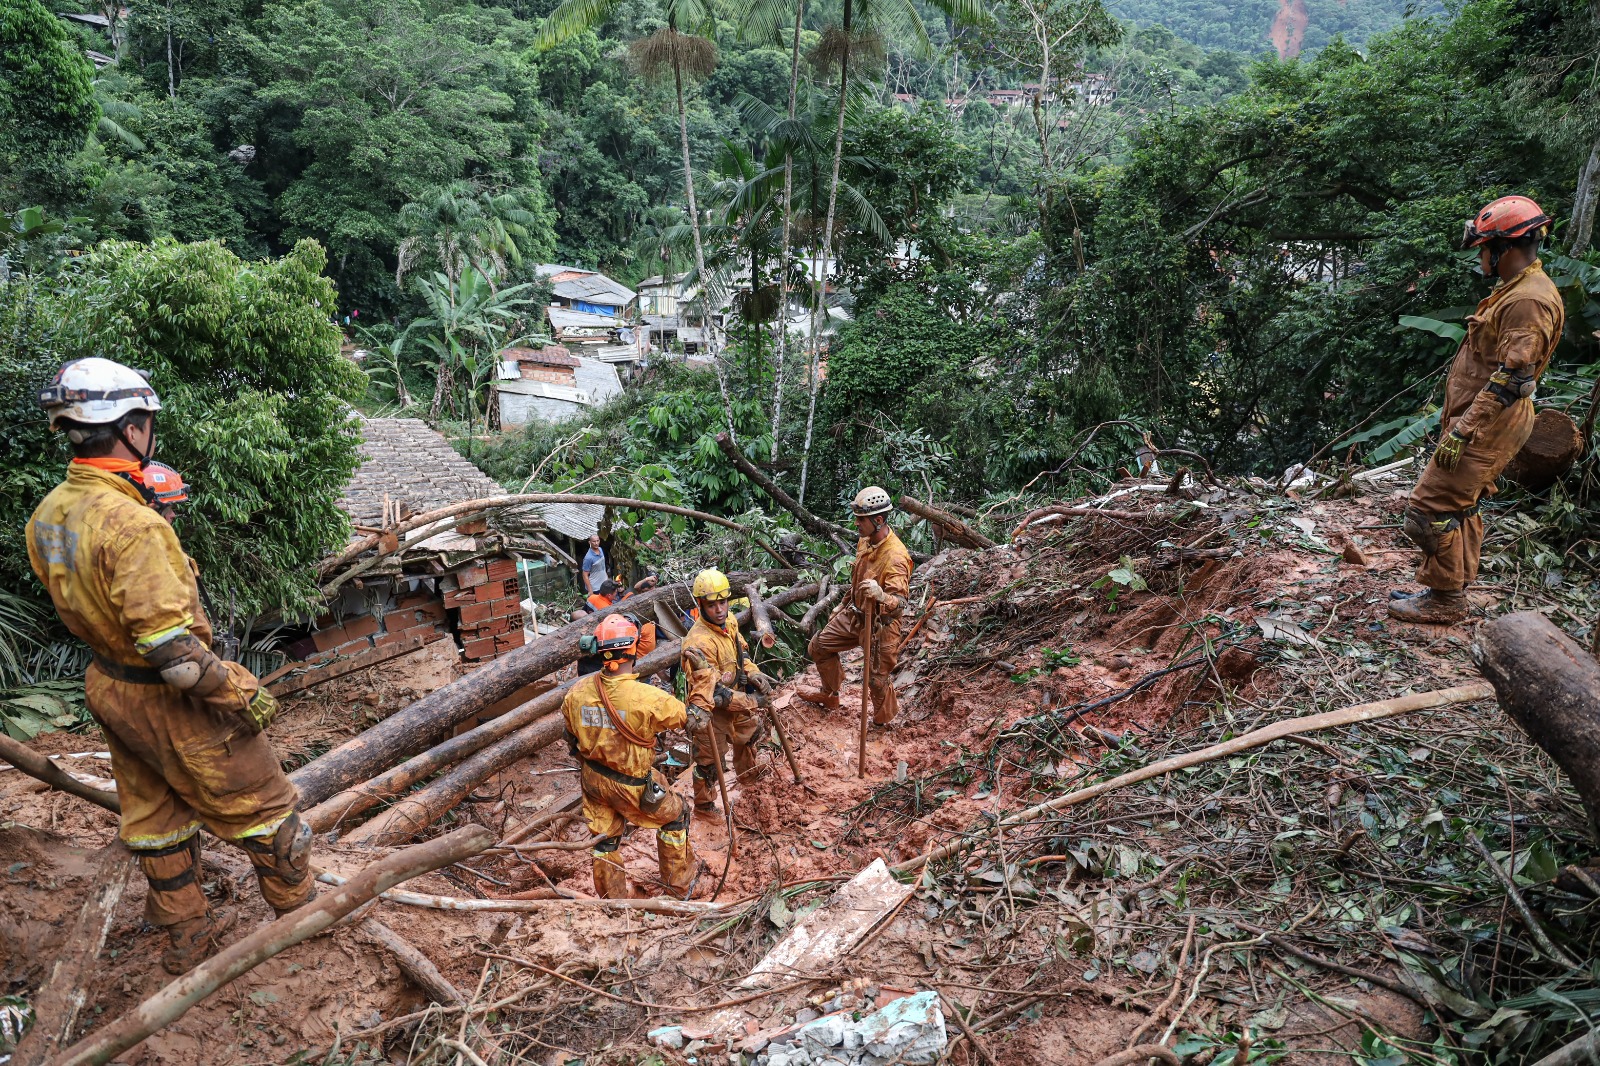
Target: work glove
{"points": [[1448, 454], [874, 591], [242, 698], [721, 697], [699, 720], [762, 683]]}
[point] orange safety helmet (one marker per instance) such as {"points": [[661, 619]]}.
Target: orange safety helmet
{"points": [[167, 485], [1507, 218], [617, 637]]}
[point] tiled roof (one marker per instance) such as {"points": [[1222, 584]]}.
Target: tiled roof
{"points": [[411, 463]]}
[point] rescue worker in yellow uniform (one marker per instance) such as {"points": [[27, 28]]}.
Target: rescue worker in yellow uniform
{"points": [[882, 576], [1488, 407], [184, 728], [716, 661], [612, 719]]}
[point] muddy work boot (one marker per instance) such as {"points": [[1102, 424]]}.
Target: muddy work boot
{"points": [[1431, 607], [195, 940], [816, 696]]}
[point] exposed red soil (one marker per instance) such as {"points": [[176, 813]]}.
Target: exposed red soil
{"points": [[787, 833], [1289, 28]]}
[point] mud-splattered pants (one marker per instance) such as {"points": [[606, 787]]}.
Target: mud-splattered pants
{"points": [[609, 806], [842, 633], [178, 768]]}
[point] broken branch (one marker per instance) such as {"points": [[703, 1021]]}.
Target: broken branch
{"points": [[414, 964], [1066, 511], [1310, 723], [489, 503], [817, 527], [232, 962], [33, 764], [952, 527]]}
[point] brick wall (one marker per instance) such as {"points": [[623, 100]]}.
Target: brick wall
{"points": [[488, 608]]}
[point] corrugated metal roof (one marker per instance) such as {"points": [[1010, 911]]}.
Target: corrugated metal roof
{"points": [[598, 379], [593, 288], [561, 318]]}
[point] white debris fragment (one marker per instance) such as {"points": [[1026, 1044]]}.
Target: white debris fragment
{"points": [[909, 1030]]}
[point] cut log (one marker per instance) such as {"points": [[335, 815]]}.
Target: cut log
{"points": [[414, 964], [1550, 686], [950, 527], [427, 721], [761, 617], [232, 962], [59, 1002], [430, 803], [33, 764], [1552, 448], [817, 527]]}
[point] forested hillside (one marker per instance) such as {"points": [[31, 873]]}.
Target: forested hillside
{"points": [[1248, 25]]}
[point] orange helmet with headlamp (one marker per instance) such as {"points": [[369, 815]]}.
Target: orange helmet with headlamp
{"points": [[617, 638], [1505, 219]]}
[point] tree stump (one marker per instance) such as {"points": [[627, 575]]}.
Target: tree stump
{"points": [[1550, 686], [1552, 448]]}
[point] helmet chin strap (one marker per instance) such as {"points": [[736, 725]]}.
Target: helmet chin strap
{"points": [[144, 456]]}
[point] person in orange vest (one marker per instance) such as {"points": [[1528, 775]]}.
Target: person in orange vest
{"points": [[881, 575], [612, 719], [1488, 407], [184, 727], [716, 660]]}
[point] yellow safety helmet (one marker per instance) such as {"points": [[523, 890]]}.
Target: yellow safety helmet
{"points": [[711, 585]]}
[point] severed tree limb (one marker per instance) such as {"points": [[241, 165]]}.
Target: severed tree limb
{"points": [[428, 518], [1070, 511], [821, 608], [33, 764], [817, 527], [413, 963], [239, 958], [1310, 723], [675, 907], [65, 991], [1142, 1054], [761, 617], [953, 528], [1540, 937], [1581, 1052]]}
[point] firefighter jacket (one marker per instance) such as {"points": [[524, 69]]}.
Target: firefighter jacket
{"points": [[644, 710], [113, 566], [888, 563], [711, 653], [1517, 326]]}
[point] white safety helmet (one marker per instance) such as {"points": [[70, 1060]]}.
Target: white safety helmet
{"points": [[96, 392], [870, 501]]}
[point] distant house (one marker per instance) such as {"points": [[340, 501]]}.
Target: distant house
{"points": [[585, 305], [550, 384]]}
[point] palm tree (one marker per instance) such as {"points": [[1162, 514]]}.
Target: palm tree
{"points": [[469, 322], [463, 227], [761, 22], [858, 42], [681, 49]]}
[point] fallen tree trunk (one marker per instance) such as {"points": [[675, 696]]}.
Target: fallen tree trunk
{"points": [[1550, 686], [414, 964], [817, 527], [488, 503], [951, 527], [1310, 723], [175, 1000], [430, 803], [352, 802], [59, 1002], [33, 764], [426, 722]]}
